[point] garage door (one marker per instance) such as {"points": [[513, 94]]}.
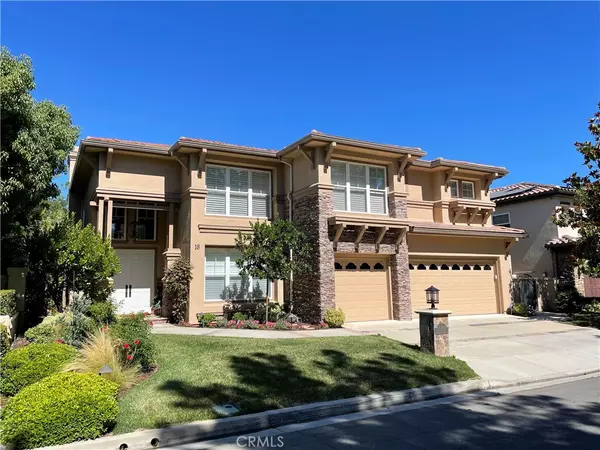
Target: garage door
{"points": [[134, 284], [362, 288], [466, 287]]}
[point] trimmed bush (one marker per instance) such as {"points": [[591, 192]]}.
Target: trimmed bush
{"points": [[42, 334], [102, 313], [27, 365], [8, 302], [239, 316], [205, 318], [4, 341], [592, 307], [60, 409], [129, 329], [335, 317], [568, 300]]}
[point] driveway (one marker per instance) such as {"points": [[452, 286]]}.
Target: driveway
{"points": [[508, 348]]}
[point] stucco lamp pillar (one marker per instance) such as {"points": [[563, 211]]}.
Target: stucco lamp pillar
{"points": [[433, 326]]}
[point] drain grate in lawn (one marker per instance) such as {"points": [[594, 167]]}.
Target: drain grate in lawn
{"points": [[196, 373]]}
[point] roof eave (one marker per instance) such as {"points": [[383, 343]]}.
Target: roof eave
{"points": [[327, 138], [221, 147], [440, 162]]}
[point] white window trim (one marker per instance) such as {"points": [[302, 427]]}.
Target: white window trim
{"points": [[250, 193], [227, 251], [137, 218], [459, 189], [367, 189], [124, 224], [504, 224]]}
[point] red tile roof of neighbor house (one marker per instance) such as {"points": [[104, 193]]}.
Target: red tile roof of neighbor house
{"points": [[527, 189], [561, 241]]}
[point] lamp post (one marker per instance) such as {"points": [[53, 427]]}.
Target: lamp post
{"points": [[432, 295]]}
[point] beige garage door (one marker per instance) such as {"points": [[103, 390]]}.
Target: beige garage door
{"points": [[466, 287], [362, 288]]}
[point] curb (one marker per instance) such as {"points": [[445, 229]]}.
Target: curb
{"points": [[250, 423]]}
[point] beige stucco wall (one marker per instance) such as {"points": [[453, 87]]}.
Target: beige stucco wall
{"points": [[529, 255]]}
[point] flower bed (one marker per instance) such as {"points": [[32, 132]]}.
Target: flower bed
{"points": [[250, 324]]}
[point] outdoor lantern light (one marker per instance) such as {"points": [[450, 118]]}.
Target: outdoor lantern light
{"points": [[432, 294], [105, 369]]}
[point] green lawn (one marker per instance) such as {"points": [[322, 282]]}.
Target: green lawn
{"points": [[195, 373]]}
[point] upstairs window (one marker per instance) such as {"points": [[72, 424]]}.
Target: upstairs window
{"points": [[501, 220], [462, 189], [118, 224], [238, 192], [358, 188], [145, 229]]}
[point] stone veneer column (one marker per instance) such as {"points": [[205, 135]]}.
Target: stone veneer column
{"points": [[399, 272], [314, 292]]}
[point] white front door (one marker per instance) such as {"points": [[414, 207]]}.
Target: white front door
{"points": [[134, 284]]}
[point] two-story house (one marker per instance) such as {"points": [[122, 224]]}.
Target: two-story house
{"points": [[384, 223], [542, 255]]}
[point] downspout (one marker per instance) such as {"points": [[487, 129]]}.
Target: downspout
{"points": [[289, 200]]}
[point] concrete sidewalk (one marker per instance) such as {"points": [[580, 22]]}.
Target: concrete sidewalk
{"points": [[256, 334], [508, 348]]}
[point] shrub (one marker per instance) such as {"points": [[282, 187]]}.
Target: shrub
{"points": [[62, 408], [282, 325], [4, 341], [568, 300], [335, 317], [76, 332], [42, 334], [219, 322], [250, 324], [99, 351], [275, 312], [520, 309], [204, 319], [131, 328], [8, 302], [176, 286], [239, 316], [103, 313], [27, 365], [593, 307]]}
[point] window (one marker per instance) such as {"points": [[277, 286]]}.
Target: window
{"points": [[411, 267], [421, 267], [145, 229], [445, 267], [487, 267], [462, 189], [455, 267], [365, 266], [358, 188], [338, 266], [378, 266], [433, 267], [350, 266], [223, 281], [118, 224], [238, 192], [466, 267], [476, 267], [501, 220]]}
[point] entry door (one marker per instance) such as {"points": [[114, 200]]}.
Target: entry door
{"points": [[134, 285]]}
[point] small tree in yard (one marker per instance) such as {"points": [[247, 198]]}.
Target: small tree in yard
{"points": [[273, 251], [176, 286], [585, 216]]}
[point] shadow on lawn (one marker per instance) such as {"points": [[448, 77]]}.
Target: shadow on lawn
{"points": [[271, 381]]}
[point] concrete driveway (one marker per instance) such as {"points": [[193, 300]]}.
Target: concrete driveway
{"points": [[509, 348]]}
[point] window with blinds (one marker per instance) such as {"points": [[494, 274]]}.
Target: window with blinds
{"points": [[359, 188], [223, 281], [238, 192]]}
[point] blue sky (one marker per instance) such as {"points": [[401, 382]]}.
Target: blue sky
{"points": [[509, 83]]}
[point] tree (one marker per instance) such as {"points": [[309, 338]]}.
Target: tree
{"points": [[585, 215], [273, 251], [35, 138], [176, 286]]}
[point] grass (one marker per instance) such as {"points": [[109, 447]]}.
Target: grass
{"points": [[195, 373]]}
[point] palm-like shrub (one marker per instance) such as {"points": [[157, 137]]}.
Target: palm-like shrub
{"points": [[99, 351]]}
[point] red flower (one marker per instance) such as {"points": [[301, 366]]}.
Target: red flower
{"points": [[60, 341], [136, 342], [129, 357], [151, 324], [125, 346]]}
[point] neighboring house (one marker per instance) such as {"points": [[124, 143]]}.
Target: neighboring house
{"points": [[384, 224], [541, 256]]}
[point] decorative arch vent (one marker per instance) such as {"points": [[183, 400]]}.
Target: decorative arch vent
{"points": [[411, 267], [455, 267], [444, 267], [378, 266], [487, 267], [350, 266], [338, 266], [466, 267], [421, 267], [365, 266], [433, 267]]}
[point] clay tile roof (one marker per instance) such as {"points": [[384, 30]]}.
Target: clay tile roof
{"points": [[563, 240], [526, 189], [208, 142], [126, 142], [466, 228]]}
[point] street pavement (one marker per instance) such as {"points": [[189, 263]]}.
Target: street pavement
{"points": [[560, 416]]}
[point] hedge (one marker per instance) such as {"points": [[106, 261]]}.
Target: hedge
{"points": [[60, 409], [27, 365], [8, 302]]}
